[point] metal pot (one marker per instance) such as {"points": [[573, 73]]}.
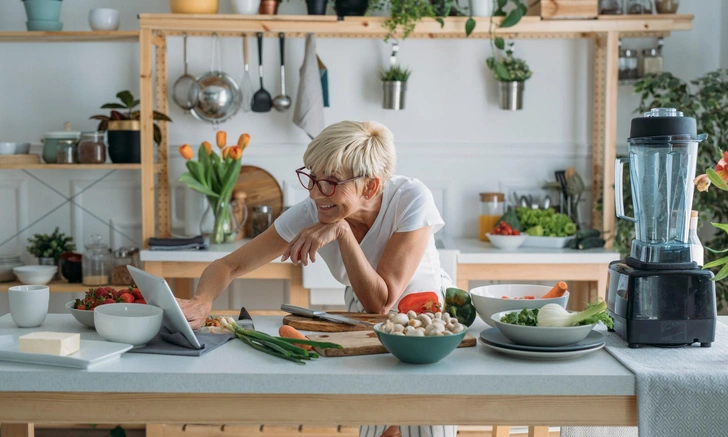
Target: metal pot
{"points": [[511, 95], [394, 93], [220, 96]]}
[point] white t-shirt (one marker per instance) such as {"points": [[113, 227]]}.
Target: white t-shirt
{"points": [[407, 205]]}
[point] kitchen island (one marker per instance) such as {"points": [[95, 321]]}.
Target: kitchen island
{"points": [[238, 385]]}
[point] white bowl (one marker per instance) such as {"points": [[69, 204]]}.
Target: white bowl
{"points": [[506, 241], [246, 7], [22, 148], [544, 336], [129, 323], [84, 317], [7, 148], [35, 275], [103, 19], [488, 299]]}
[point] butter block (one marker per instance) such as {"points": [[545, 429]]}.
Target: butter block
{"points": [[53, 343]]}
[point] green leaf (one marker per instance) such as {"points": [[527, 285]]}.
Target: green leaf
{"points": [[490, 62], [512, 18], [441, 21], [197, 171], [126, 98], [134, 104], [524, 9], [722, 273], [716, 180], [501, 3], [500, 43], [191, 182], [716, 251], [716, 263], [501, 72], [469, 26], [720, 226], [113, 106]]}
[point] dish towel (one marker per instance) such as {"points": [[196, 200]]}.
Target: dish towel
{"points": [[308, 113], [681, 392], [168, 343], [196, 243]]}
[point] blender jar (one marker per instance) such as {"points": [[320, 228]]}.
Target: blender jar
{"points": [[492, 208]]}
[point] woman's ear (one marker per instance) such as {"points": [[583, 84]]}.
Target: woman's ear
{"points": [[372, 187]]}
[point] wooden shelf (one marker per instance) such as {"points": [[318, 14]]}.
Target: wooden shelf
{"points": [[157, 167], [371, 27], [61, 287], [70, 36]]}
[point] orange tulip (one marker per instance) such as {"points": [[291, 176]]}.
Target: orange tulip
{"points": [[702, 183], [186, 151], [243, 141], [236, 152], [226, 152], [722, 167], [221, 139], [207, 146]]}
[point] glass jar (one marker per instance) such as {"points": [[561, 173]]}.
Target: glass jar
{"points": [[66, 152], [262, 219], [610, 7], [97, 262], [92, 148], [628, 64], [123, 257], [636, 7], [492, 208], [667, 6]]}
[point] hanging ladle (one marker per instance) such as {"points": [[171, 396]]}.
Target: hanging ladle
{"points": [[186, 90], [282, 102]]}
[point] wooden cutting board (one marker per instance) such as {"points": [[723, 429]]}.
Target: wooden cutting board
{"points": [[20, 159], [318, 325], [361, 343], [261, 189]]}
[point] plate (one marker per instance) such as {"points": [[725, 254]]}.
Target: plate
{"points": [[542, 356], [91, 354], [493, 337], [546, 242]]}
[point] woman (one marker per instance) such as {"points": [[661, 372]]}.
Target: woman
{"points": [[374, 230]]}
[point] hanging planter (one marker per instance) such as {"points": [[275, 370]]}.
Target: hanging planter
{"points": [[268, 7], [511, 95], [511, 73], [394, 85]]}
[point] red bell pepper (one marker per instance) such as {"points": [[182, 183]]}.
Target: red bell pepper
{"points": [[424, 302]]}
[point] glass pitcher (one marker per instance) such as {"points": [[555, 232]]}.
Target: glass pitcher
{"points": [[663, 149]]}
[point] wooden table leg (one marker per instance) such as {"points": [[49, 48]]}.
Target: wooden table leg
{"points": [[299, 296], [17, 430], [538, 431], [501, 431]]}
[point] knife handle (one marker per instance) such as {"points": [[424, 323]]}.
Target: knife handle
{"points": [[298, 310]]}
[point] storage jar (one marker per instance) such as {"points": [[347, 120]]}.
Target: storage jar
{"points": [[97, 262], [492, 208], [92, 148]]}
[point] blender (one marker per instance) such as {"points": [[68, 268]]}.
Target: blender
{"points": [[659, 295]]}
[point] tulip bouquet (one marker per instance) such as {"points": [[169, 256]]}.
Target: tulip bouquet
{"points": [[215, 176], [717, 177]]}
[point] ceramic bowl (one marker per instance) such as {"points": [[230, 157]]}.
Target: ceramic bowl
{"points": [[47, 26], [129, 323], [419, 350], [507, 241], [7, 148], [22, 148], [246, 7], [540, 335], [489, 300], [84, 317], [35, 275], [103, 19]]}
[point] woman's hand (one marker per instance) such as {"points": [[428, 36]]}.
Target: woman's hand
{"points": [[304, 246], [195, 311]]}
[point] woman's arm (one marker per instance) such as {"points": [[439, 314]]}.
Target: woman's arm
{"points": [[218, 275], [379, 289]]}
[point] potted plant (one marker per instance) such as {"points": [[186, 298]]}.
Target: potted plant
{"points": [[511, 74], [48, 248], [394, 84], [316, 7], [124, 128]]}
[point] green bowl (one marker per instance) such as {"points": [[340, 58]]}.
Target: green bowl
{"points": [[419, 350]]}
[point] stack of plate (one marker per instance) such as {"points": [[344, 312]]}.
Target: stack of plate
{"points": [[6, 267], [494, 339]]}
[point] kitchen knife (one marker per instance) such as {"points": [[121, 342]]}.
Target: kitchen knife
{"points": [[244, 319], [305, 312]]}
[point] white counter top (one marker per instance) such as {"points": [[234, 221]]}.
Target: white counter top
{"points": [[215, 251], [474, 251], [237, 368]]}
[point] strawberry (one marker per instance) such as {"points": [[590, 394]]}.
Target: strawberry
{"points": [[81, 307], [126, 297], [137, 294], [108, 300], [101, 292], [140, 301]]}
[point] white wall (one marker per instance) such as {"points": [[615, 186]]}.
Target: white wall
{"points": [[724, 38], [452, 135]]}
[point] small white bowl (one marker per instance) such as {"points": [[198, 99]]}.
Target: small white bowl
{"points": [[103, 19], [544, 336], [22, 148], [7, 148], [489, 300], [84, 317], [246, 7], [506, 241], [129, 323], [35, 275]]}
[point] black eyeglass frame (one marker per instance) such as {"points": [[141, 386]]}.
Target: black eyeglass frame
{"points": [[334, 184]]}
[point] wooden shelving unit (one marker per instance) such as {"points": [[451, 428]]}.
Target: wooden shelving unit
{"points": [[70, 36], [157, 167], [61, 287]]}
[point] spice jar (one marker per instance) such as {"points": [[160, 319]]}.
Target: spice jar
{"points": [[610, 7], [262, 219], [66, 152], [92, 149], [97, 262], [637, 7], [492, 208], [124, 256], [652, 60], [627, 64]]}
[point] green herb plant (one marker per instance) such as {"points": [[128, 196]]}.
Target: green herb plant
{"points": [[544, 222], [395, 73], [405, 14], [50, 246], [128, 103], [517, 10]]}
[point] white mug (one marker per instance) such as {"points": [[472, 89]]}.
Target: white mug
{"points": [[29, 304]]}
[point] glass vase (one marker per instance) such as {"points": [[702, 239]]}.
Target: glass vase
{"points": [[218, 223]]}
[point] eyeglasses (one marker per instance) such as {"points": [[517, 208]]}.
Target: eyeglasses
{"points": [[327, 187]]}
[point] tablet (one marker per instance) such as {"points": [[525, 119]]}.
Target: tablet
{"points": [[156, 291]]}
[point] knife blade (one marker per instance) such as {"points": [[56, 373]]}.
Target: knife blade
{"points": [[305, 312], [244, 319]]}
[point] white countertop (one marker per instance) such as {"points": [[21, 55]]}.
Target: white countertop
{"points": [[214, 252], [237, 368]]}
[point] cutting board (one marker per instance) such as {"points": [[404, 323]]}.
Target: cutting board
{"points": [[20, 159], [261, 189], [317, 325], [361, 343]]}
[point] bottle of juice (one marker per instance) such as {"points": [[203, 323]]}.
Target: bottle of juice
{"points": [[492, 208]]}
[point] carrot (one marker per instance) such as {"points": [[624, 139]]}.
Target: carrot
{"points": [[558, 291], [529, 297], [288, 331]]}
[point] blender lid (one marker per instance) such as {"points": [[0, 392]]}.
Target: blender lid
{"points": [[662, 122]]}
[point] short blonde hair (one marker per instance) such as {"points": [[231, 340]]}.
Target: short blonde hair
{"points": [[359, 148]]}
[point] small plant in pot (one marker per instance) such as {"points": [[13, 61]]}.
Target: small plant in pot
{"points": [[394, 84], [48, 248], [511, 74], [124, 128]]}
